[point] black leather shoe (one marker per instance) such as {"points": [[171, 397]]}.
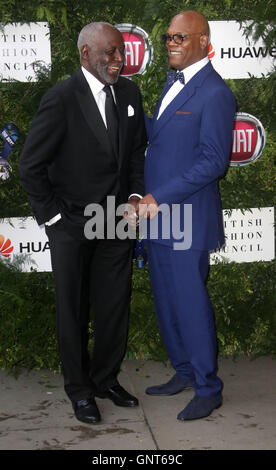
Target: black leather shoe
{"points": [[118, 395], [87, 411]]}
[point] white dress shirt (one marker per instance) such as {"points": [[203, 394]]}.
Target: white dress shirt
{"points": [[189, 72], [99, 95], [96, 88]]}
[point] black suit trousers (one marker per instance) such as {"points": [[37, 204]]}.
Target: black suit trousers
{"points": [[90, 276]]}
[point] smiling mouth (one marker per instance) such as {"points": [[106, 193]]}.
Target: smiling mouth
{"points": [[174, 53], [114, 68]]}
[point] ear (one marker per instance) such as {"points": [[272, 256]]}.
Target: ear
{"points": [[204, 41], [84, 52]]}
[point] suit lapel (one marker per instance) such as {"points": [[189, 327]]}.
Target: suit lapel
{"points": [[184, 95], [91, 113], [122, 105], [170, 110], [164, 92]]}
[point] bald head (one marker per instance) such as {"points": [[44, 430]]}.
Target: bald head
{"points": [[90, 31], [102, 50], [194, 29], [195, 21]]}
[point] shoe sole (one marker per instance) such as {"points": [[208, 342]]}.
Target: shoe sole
{"points": [[128, 405], [168, 394], [88, 421], [200, 417]]}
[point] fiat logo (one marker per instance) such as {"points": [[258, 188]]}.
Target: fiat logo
{"points": [[248, 140], [138, 49]]}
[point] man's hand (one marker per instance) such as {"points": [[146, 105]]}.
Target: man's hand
{"points": [[147, 207], [131, 213]]}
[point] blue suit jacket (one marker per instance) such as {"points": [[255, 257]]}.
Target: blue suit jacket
{"points": [[189, 148]]}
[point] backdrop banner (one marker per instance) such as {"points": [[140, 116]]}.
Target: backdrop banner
{"points": [[23, 49], [233, 55], [249, 237]]}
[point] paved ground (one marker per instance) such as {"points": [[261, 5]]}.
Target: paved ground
{"points": [[36, 415]]}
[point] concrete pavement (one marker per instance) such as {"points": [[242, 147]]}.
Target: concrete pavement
{"points": [[35, 414]]}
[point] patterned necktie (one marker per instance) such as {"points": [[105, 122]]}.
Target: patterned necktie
{"points": [[174, 76], [112, 119]]}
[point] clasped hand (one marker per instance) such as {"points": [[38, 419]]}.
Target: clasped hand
{"points": [[136, 209]]}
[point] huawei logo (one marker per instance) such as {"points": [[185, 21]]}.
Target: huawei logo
{"points": [[211, 52], [6, 247]]}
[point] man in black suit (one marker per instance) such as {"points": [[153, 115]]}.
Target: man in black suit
{"points": [[70, 160]]}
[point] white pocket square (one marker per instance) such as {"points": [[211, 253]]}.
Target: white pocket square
{"points": [[130, 110]]}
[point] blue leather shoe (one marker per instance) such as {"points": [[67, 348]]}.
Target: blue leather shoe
{"points": [[175, 385], [200, 407]]}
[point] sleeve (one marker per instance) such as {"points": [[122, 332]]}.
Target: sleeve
{"points": [[137, 159], [44, 138]]}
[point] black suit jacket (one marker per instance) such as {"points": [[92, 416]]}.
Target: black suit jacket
{"points": [[67, 161]]}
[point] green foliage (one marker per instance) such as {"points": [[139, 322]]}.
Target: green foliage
{"points": [[27, 316], [242, 294], [144, 337], [244, 300], [252, 185]]}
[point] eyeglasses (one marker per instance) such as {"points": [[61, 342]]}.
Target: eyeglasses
{"points": [[177, 38]]}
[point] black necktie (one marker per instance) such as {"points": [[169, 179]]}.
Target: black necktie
{"points": [[112, 119]]}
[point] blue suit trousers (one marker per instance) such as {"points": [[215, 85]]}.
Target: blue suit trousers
{"points": [[185, 314]]}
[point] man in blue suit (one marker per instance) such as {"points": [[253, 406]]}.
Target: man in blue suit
{"points": [[189, 147]]}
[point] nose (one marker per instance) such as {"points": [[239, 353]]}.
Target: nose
{"points": [[119, 56]]}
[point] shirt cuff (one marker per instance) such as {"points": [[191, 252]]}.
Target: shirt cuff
{"points": [[53, 220], [135, 194]]}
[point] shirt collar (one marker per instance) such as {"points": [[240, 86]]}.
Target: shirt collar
{"points": [[190, 71], [95, 85]]}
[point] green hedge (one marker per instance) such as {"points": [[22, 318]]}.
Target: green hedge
{"points": [[243, 295]]}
